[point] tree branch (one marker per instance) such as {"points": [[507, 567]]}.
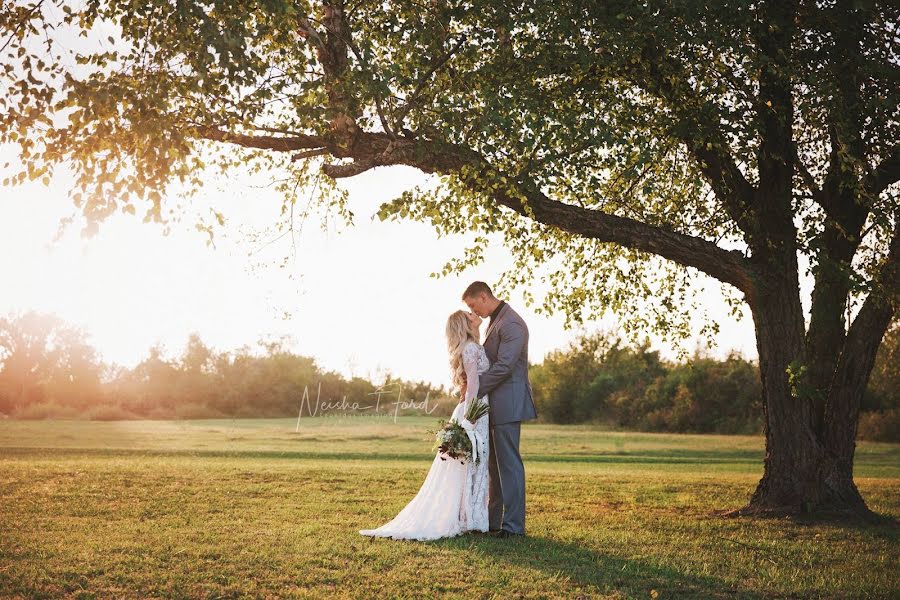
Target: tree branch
{"points": [[332, 51], [379, 104], [775, 110], [430, 156], [859, 350], [666, 78], [398, 121], [808, 179], [886, 174], [845, 196], [884, 298], [728, 266], [265, 142], [25, 18], [372, 149], [309, 153]]}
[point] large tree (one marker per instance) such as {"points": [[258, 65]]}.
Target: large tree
{"points": [[626, 149]]}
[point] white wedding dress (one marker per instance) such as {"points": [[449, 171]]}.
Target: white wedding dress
{"points": [[454, 497]]}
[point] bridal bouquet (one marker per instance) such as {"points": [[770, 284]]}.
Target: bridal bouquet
{"points": [[452, 438]]}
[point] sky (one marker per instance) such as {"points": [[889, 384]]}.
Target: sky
{"points": [[357, 298]]}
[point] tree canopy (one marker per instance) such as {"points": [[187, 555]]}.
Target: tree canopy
{"points": [[650, 114]]}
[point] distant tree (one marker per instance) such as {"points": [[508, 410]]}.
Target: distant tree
{"points": [[42, 358], [884, 386], [560, 381], [706, 395], [153, 382], [197, 356], [881, 421], [625, 377]]}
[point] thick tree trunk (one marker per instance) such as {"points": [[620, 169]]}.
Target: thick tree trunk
{"points": [[842, 408], [809, 459], [851, 375], [827, 327], [793, 453]]}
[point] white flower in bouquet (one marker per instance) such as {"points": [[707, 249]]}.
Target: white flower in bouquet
{"points": [[452, 439]]}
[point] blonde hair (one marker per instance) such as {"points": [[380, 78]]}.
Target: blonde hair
{"points": [[459, 333]]}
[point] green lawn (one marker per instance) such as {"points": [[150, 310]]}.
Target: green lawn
{"points": [[249, 508]]}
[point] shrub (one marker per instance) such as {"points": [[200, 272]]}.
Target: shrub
{"points": [[47, 410], [109, 412], [880, 426], [194, 410]]}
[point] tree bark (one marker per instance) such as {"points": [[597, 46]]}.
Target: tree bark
{"points": [[809, 458], [851, 376], [793, 452], [801, 473]]}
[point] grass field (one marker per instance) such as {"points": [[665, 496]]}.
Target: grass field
{"points": [[249, 508]]}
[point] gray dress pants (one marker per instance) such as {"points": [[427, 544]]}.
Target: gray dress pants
{"points": [[506, 496]]}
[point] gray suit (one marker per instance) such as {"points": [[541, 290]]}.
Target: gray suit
{"points": [[507, 384]]}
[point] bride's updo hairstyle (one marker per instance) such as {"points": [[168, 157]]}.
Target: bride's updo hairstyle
{"points": [[458, 334]]}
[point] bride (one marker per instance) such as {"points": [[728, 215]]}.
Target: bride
{"points": [[454, 497]]}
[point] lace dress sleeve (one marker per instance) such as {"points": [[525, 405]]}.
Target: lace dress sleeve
{"points": [[470, 364]]}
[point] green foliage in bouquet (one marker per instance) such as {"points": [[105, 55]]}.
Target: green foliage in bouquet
{"points": [[451, 438], [476, 410]]}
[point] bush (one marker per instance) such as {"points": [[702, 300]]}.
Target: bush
{"points": [[598, 379], [47, 410], [109, 412], [879, 426], [194, 410], [160, 414]]}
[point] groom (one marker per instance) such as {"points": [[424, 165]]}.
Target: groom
{"points": [[506, 345]]}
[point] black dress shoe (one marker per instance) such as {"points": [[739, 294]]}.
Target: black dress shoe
{"points": [[506, 534]]}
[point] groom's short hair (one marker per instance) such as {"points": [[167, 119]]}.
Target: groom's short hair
{"points": [[476, 288]]}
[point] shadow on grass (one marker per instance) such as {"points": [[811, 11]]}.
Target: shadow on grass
{"points": [[883, 526], [584, 567]]}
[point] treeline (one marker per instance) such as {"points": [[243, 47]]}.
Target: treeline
{"points": [[48, 370], [600, 380]]}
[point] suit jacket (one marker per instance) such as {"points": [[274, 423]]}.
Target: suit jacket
{"points": [[506, 381]]}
